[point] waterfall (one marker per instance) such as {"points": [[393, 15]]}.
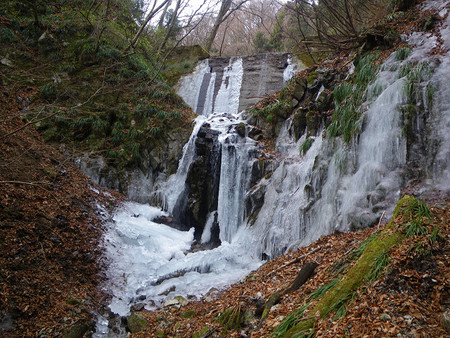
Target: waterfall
{"points": [[334, 186]]}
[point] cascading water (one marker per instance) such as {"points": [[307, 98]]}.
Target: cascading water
{"points": [[149, 260], [331, 187], [335, 186]]}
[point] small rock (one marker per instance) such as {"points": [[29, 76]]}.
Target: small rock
{"points": [[136, 323], [178, 302], [445, 320], [385, 316], [276, 307], [137, 307]]}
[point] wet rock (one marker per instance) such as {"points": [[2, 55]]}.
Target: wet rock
{"points": [[299, 123], [300, 89], [240, 129], [254, 202], [137, 307], [136, 322], [325, 100], [255, 133], [78, 330], [202, 183], [312, 123]]}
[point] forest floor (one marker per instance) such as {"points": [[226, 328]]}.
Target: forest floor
{"points": [[50, 231]]}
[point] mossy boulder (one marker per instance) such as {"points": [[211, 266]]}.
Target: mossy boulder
{"points": [[312, 123], [299, 123], [136, 323], [300, 88], [240, 129], [187, 314], [78, 330]]}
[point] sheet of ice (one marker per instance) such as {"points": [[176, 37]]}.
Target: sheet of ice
{"points": [[227, 99], [149, 259]]}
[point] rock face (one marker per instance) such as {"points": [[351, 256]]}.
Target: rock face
{"points": [[137, 183], [202, 183], [263, 75]]}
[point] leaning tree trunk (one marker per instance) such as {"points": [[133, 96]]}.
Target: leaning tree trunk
{"points": [[224, 7]]}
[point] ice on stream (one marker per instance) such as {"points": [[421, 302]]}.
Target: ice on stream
{"points": [[149, 259]]}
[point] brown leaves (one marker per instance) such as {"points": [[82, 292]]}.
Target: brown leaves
{"points": [[41, 230]]}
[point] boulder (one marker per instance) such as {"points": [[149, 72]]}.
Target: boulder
{"points": [[325, 100], [299, 122], [79, 329], [300, 88], [240, 129], [136, 322], [312, 123]]}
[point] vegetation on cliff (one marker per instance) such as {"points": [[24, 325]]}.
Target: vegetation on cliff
{"points": [[92, 92]]}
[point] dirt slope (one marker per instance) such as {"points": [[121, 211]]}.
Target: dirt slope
{"points": [[49, 231]]}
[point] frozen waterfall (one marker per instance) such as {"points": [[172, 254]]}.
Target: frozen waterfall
{"points": [[334, 186]]}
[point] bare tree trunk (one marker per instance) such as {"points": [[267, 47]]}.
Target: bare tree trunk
{"points": [[150, 15], [224, 7], [225, 11], [163, 15], [170, 26]]}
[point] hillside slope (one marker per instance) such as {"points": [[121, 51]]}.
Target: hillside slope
{"points": [[406, 297], [50, 230]]}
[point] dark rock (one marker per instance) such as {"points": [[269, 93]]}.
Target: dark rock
{"points": [[202, 183], [299, 123], [254, 202], [325, 100], [136, 323], [240, 129], [137, 307], [428, 23], [254, 133], [300, 89], [78, 330], [312, 123]]}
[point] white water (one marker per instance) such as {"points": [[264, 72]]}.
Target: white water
{"points": [[307, 196], [143, 253], [227, 99], [290, 70], [150, 259], [335, 186]]}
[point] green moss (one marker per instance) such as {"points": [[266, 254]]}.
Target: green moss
{"points": [[187, 314], [136, 323], [74, 301], [231, 319], [369, 265], [203, 333], [306, 145], [312, 76]]}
